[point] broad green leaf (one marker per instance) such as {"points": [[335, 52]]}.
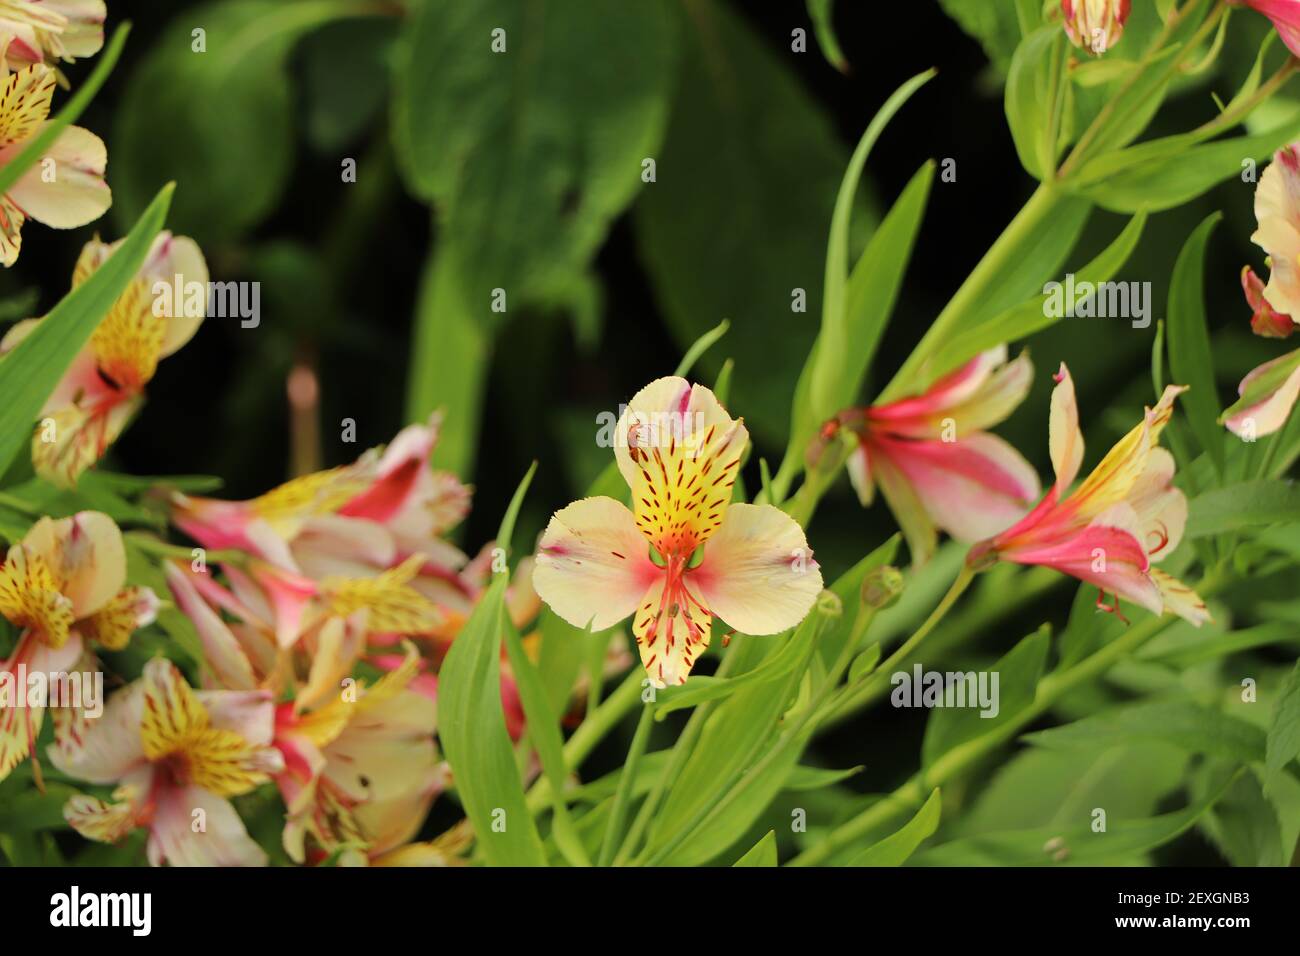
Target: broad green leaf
{"points": [[530, 150], [895, 849], [763, 853], [339, 110], [855, 321], [1284, 729], [1035, 98], [1243, 505], [30, 373], [1244, 824], [1184, 650], [450, 356], [736, 224], [1190, 360], [1053, 789], [1075, 845], [1181, 723], [1017, 675], [227, 113]]}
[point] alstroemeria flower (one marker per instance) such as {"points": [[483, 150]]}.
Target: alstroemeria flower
{"points": [[1285, 15], [1095, 25], [76, 192], [271, 612], [174, 753], [51, 30], [1267, 396], [361, 770], [598, 562], [104, 387], [63, 585], [934, 461], [1124, 515], [1277, 210], [349, 521]]}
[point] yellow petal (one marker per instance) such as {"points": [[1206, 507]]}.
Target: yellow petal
{"points": [[172, 714], [25, 103]]}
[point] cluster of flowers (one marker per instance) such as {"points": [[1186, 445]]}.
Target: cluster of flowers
{"points": [[326, 606]]}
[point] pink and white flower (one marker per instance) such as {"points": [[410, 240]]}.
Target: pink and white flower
{"points": [[1123, 517], [934, 460]]}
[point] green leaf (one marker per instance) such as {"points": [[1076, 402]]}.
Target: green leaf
{"points": [[472, 729], [997, 26], [895, 849], [773, 185], [530, 153], [763, 853], [1035, 99], [701, 345], [339, 110], [450, 356], [30, 373], [817, 778], [506, 530], [882, 266], [1284, 730], [1040, 312], [544, 732], [40, 144], [221, 122], [1181, 723], [1075, 845], [1158, 177], [1242, 505], [865, 663], [1017, 674], [1190, 360], [849, 337], [819, 11]]}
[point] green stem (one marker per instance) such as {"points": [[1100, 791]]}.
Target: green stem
{"points": [[855, 697], [911, 794], [1009, 246], [681, 752], [591, 732], [626, 782]]}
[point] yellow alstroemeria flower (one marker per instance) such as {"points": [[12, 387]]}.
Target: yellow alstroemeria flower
{"points": [[104, 387], [66, 188], [173, 752], [598, 562], [49, 31], [63, 585], [360, 771]]}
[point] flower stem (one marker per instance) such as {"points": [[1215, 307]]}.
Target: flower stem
{"points": [[873, 686], [626, 783]]}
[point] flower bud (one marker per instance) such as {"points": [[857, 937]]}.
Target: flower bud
{"points": [[1266, 321], [1095, 25], [881, 587]]}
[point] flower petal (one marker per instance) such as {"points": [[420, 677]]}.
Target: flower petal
{"points": [[758, 573], [77, 193], [1065, 438], [223, 841], [593, 566]]}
